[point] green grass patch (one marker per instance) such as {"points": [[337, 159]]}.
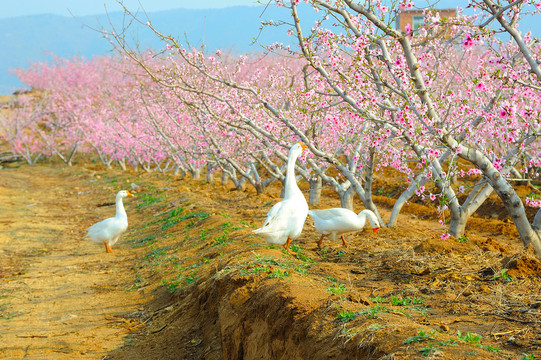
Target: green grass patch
{"points": [[503, 275], [398, 300], [279, 274], [157, 253], [337, 289], [176, 216], [204, 233], [148, 240], [421, 336], [425, 351], [346, 316], [245, 223], [469, 337], [220, 240], [191, 278], [147, 199], [255, 270], [373, 311]]}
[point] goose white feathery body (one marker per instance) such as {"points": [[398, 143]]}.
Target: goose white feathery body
{"points": [[338, 221], [109, 230], [286, 218]]}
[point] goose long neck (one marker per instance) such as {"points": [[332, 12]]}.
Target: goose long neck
{"points": [[291, 182], [362, 218], [120, 212]]}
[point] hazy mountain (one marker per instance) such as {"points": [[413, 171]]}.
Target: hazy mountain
{"points": [[35, 38]]}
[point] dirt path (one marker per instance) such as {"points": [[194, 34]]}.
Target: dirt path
{"points": [[61, 297]]}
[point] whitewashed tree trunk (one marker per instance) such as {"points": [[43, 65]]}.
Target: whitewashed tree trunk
{"points": [[346, 198], [210, 172], [420, 180], [67, 159], [225, 178], [315, 190], [179, 171], [196, 173], [122, 164], [476, 198]]}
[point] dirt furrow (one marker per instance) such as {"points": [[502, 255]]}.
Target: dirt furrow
{"points": [[61, 296]]}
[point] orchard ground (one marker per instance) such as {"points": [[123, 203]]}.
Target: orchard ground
{"points": [[190, 280]]}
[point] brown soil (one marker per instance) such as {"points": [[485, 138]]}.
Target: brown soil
{"points": [[60, 297], [191, 281]]}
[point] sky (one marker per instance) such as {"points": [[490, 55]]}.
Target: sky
{"points": [[93, 7], [11, 9]]}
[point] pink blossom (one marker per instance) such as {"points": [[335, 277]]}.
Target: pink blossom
{"points": [[533, 203], [480, 86], [468, 41], [407, 29]]}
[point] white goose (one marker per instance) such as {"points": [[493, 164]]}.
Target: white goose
{"points": [[285, 219], [109, 230], [338, 221]]}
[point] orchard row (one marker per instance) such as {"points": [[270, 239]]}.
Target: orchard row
{"points": [[452, 110]]}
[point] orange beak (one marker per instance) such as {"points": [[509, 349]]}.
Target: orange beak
{"points": [[302, 145], [375, 230], [129, 193]]}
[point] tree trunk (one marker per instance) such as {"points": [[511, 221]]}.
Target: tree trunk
{"points": [[196, 173], [420, 180], [210, 174], [122, 164], [516, 210], [241, 184], [512, 202], [255, 179], [457, 224], [225, 177], [346, 198], [72, 153], [315, 190], [477, 197], [179, 170]]}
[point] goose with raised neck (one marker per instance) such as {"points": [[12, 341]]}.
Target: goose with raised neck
{"points": [[108, 231], [286, 218]]}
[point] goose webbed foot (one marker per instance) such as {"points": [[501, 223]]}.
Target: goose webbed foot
{"points": [[109, 249], [320, 241], [344, 241], [286, 246]]}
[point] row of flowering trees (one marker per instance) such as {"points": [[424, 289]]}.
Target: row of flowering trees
{"points": [[435, 104]]}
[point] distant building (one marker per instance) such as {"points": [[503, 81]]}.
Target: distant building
{"points": [[416, 18]]}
